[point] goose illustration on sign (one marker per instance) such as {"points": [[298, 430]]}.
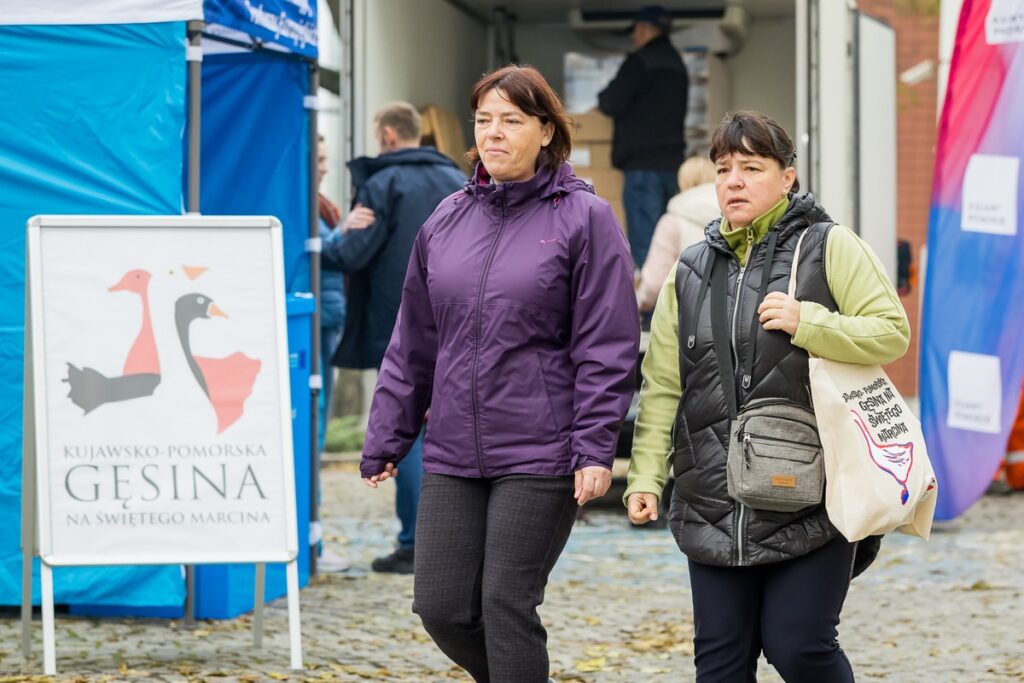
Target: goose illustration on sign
{"points": [[89, 388], [896, 459], [227, 382]]}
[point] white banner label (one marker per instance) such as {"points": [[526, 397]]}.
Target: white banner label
{"points": [[68, 12], [1005, 22], [990, 194], [975, 393], [166, 394]]}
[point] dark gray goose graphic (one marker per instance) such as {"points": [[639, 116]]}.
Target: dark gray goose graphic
{"points": [[89, 388]]}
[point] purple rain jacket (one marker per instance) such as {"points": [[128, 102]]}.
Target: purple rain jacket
{"points": [[518, 329]]}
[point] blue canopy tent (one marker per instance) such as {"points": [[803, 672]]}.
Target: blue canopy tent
{"points": [[102, 93], [97, 129]]}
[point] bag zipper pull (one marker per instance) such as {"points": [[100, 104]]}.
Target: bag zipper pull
{"points": [[746, 450]]}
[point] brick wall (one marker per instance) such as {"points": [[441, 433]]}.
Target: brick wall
{"points": [[916, 23]]}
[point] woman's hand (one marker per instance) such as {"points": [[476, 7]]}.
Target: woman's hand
{"points": [[591, 482], [642, 507], [358, 219], [780, 311], [390, 470]]}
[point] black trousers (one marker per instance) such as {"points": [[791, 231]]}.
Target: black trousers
{"points": [[484, 550], [789, 610]]}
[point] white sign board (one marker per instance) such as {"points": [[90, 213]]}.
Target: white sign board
{"points": [[1005, 22], [975, 395], [162, 413], [990, 194]]}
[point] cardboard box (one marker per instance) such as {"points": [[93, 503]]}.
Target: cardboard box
{"points": [[607, 182], [608, 186], [586, 75], [591, 127], [442, 129], [590, 155]]}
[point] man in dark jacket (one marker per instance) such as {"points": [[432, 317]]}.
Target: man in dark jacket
{"points": [[647, 99], [397, 191]]}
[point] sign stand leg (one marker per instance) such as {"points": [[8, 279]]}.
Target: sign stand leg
{"points": [[26, 603], [257, 610], [49, 642], [29, 532], [294, 626], [29, 544]]}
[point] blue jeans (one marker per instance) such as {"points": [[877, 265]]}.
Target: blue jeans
{"points": [[407, 493], [645, 196], [329, 338]]}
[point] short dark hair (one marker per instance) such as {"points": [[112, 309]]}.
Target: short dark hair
{"points": [[751, 132], [526, 88], [401, 117]]}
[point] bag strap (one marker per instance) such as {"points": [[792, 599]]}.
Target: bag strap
{"points": [[796, 255], [720, 329]]}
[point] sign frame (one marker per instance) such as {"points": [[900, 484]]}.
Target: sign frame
{"points": [[37, 537]]}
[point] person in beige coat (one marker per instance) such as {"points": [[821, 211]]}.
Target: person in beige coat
{"points": [[682, 225]]}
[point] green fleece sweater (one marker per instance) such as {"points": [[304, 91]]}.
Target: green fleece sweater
{"points": [[872, 328]]}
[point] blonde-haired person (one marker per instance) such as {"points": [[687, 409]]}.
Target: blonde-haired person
{"points": [[682, 225]]}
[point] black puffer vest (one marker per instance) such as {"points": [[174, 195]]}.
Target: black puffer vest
{"points": [[709, 526]]}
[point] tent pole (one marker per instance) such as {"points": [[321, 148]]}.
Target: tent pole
{"points": [[195, 64], [314, 282], [194, 56]]}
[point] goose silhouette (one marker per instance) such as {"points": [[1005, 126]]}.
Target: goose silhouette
{"points": [[895, 458], [227, 382], [89, 388]]}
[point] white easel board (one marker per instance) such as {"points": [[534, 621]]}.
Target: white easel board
{"points": [[158, 397]]}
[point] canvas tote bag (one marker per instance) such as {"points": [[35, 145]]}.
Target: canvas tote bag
{"points": [[877, 474]]}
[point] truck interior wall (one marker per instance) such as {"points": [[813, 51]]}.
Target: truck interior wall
{"points": [[762, 74], [421, 51], [543, 46]]}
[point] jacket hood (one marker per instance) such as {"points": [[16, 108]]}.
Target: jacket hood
{"points": [[803, 212], [363, 168], [698, 204], [544, 184]]}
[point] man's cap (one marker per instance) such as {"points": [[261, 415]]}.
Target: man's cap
{"points": [[654, 14]]}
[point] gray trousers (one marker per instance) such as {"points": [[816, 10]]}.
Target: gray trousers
{"points": [[484, 550]]}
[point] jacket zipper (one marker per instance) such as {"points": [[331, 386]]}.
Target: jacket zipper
{"points": [[476, 346], [742, 517]]}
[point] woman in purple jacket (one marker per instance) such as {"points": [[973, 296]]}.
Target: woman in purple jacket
{"points": [[518, 329]]}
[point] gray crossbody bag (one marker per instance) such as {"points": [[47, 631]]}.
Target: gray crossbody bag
{"points": [[775, 460]]}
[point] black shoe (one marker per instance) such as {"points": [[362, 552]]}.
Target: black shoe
{"points": [[398, 562]]}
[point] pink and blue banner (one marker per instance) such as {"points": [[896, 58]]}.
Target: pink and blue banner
{"points": [[972, 330]]}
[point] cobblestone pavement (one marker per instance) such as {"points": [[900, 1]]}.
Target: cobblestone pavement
{"points": [[617, 611]]}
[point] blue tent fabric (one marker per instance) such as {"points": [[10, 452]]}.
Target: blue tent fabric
{"points": [[254, 160], [289, 23], [254, 147], [91, 124]]}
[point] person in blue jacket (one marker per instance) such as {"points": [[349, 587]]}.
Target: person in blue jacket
{"points": [[395, 194], [332, 295]]}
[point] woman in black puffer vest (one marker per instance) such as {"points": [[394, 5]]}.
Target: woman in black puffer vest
{"points": [[763, 580]]}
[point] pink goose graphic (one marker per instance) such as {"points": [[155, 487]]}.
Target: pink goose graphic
{"points": [[227, 382], [895, 458], [89, 388]]}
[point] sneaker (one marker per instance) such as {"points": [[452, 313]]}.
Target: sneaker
{"points": [[398, 562], [332, 562]]}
